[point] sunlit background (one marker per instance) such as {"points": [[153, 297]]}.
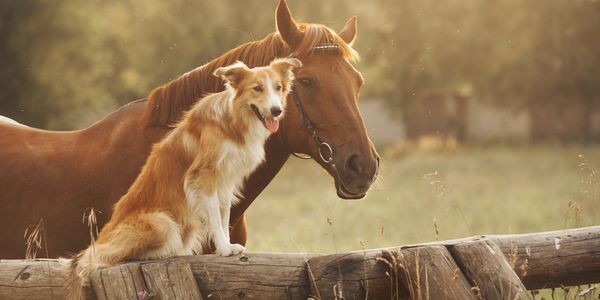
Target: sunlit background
{"points": [[486, 113]]}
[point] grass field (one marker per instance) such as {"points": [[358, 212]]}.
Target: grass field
{"points": [[461, 192]]}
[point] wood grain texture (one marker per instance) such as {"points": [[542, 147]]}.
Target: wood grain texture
{"points": [[120, 282], [251, 276], [547, 259], [356, 275], [486, 267], [171, 279], [38, 279], [431, 273], [552, 259]]}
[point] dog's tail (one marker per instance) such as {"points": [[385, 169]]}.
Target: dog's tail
{"points": [[77, 271]]}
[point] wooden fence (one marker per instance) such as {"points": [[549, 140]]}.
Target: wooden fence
{"points": [[490, 267]]}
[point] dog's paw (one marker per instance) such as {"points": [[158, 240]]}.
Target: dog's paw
{"points": [[237, 249], [229, 250]]}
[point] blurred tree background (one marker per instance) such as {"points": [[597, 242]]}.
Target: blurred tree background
{"points": [[65, 64]]}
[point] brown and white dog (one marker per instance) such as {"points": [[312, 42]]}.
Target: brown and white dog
{"points": [[180, 202]]}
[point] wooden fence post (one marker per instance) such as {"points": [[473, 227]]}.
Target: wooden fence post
{"points": [[356, 275], [431, 273], [171, 279], [120, 282], [486, 267]]}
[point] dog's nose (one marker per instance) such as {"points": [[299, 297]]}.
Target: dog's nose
{"points": [[276, 111]]}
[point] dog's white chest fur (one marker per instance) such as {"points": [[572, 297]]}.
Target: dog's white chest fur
{"points": [[239, 160]]}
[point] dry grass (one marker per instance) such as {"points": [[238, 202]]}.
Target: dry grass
{"points": [[469, 191], [465, 191], [35, 236], [89, 218]]}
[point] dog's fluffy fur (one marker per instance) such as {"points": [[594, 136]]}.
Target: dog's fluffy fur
{"points": [[181, 199]]}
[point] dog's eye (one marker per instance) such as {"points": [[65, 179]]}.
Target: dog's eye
{"points": [[258, 88], [305, 82], [278, 87]]}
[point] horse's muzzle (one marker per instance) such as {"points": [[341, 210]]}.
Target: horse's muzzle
{"points": [[357, 176]]}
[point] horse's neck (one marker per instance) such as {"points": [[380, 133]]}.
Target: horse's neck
{"points": [[275, 157], [122, 135], [168, 102]]}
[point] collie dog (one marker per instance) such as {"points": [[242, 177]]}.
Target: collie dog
{"points": [[180, 202]]}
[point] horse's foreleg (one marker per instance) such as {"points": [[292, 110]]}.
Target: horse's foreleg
{"points": [[238, 233], [225, 210]]}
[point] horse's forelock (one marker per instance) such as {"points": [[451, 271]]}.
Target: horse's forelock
{"points": [[317, 34]]}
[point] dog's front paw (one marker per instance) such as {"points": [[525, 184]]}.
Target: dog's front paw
{"points": [[229, 250]]}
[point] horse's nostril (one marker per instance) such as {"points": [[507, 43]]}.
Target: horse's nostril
{"points": [[353, 164], [276, 111]]}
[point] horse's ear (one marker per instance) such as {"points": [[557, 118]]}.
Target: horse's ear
{"points": [[348, 33], [233, 74], [287, 26]]}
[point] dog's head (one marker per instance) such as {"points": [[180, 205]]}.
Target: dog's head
{"points": [[261, 90]]}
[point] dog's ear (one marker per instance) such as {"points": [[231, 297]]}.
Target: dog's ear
{"points": [[233, 74], [285, 67]]}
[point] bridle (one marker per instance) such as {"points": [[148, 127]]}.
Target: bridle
{"points": [[308, 124], [326, 153]]}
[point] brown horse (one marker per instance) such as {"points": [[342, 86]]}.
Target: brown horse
{"points": [[56, 176]]}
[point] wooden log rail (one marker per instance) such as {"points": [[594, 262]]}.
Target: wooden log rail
{"points": [[494, 266]]}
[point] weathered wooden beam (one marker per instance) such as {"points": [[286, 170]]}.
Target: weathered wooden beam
{"points": [[487, 269], [171, 279], [431, 273], [38, 279], [547, 259], [119, 282], [541, 260], [417, 273], [251, 275], [554, 259], [356, 275]]}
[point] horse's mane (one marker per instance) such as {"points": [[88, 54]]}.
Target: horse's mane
{"points": [[167, 103]]}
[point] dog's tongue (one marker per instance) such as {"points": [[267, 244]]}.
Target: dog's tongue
{"points": [[272, 124]]}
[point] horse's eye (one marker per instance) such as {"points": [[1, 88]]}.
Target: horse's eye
{"points": [[278, 87], [305, 82], [258, 88]]}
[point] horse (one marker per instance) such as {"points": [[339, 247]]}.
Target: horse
{"points": [[50, 178], [9, 120]]}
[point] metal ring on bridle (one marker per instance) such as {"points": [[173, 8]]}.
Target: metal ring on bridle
{"points": [[330, 158], [308, 123], [301, 155]]}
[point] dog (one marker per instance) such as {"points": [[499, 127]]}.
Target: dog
{"points": [[181, 200]]}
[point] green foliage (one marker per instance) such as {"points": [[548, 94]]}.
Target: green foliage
{"points": [[506, 51], [67, 63]]}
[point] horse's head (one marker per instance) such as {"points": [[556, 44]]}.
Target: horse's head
{"points": [[324, 120]]}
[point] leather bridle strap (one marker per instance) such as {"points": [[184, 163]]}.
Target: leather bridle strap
{"points": [[321, 146], [308, 124]]}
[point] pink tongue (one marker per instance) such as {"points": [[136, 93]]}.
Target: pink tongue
{"points": [[271, 124]]}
